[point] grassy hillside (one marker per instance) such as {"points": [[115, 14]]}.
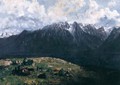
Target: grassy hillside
{"points": [[53, 71]]}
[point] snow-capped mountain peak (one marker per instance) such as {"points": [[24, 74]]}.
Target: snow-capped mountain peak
{"points": [[71, 27]]}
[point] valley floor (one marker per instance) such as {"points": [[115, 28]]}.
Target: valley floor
{"points": [[53, 71]]}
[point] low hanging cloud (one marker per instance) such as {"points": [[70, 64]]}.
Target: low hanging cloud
{"points": [[34, 14]]}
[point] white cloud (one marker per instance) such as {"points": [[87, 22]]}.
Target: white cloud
{"points": [[112, 3], [93, 5], [31, 14], [14, 9], [96, 12], [62, 9]]}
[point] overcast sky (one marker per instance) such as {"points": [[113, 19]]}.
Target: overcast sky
{"points": [[32, 14]]}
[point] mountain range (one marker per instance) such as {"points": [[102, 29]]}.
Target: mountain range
{"points": [[78, 43]]}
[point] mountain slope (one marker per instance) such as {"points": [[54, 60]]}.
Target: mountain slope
{"points": [[74, 42], [112, 42], [109, 51]]}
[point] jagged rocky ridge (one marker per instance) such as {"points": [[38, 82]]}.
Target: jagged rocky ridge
{"points": [[74, 42]]}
